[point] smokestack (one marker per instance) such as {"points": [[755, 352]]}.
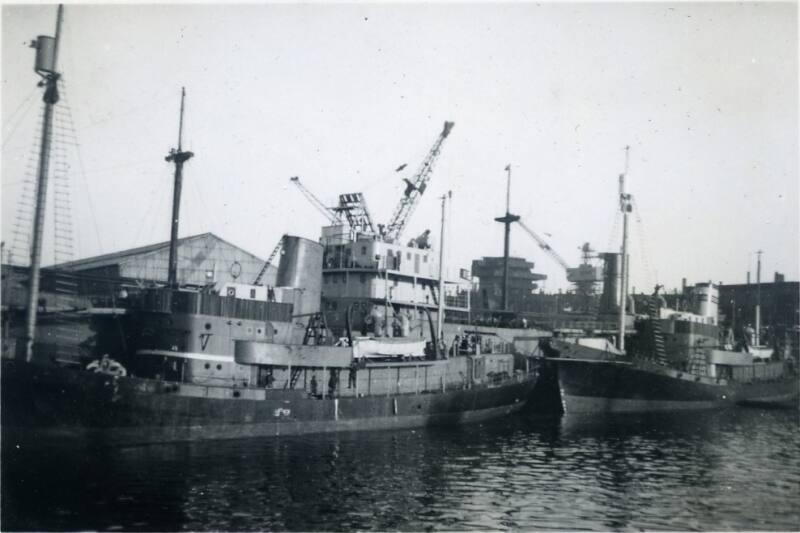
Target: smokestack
{"points": [[609, 301]]}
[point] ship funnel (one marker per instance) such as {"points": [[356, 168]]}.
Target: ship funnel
{"points": [[609, 301], [707, 295], [300, 274]]}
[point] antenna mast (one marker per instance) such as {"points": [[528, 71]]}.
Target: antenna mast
{"points": [[46, 61], [179, 157]]}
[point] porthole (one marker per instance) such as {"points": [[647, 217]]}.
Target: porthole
{"points": [[259, 331], [208, 326], [207, 366], [219, 367]]}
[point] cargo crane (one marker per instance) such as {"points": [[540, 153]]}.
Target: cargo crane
{"points": [[329, 213], [584, 276], [352, 209], [415, 187]]}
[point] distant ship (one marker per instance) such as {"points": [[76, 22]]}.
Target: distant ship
{"points": [[677, 360]]}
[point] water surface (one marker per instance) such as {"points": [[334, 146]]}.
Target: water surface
{"points": [[737, 469]]}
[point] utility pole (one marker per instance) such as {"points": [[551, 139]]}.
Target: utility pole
{"points": [[46, 62], [179, 157], [508, 219]]}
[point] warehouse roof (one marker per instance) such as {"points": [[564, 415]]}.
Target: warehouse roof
{"points": [[118, 257]]}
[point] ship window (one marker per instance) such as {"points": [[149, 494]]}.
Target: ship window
{"points": [[408, 256], [252, 293], [424, 258], [259, 331], [207, 366], [362, 278], [363, 250], [219, 367], [333, 278], [208, 325]]}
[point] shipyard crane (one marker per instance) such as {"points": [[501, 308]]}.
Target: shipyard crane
{"points": [[352, 209], [544, 246], [414, 189], [584, 276], [271, 258], [329, 213]]}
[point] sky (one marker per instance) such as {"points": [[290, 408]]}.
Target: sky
{"points": [[705, 95]]}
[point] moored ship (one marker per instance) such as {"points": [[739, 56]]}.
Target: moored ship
{"points": [[676, 360], [208, 366]]}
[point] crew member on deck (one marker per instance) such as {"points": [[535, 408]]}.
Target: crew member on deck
{"points": [[106, 365]]}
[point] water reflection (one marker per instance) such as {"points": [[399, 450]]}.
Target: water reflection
{"points": [[720, 470]]}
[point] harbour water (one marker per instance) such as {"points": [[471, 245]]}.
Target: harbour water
{"points": [[737, 469]]}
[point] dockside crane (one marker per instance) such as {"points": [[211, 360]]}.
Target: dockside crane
{"points": [[544, 246], [352, 209], [415, 187], [329, 213], [584, 276]]}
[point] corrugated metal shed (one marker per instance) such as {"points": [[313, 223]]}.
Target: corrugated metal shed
{"points": [[202, 259]]}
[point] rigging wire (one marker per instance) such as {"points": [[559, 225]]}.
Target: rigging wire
{"points": [[21, 232], [27, 103], [150, 205], [652, 277], [82, 167]]}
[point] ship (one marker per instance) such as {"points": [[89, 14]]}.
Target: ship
{"points": [[214, 366], [675, 360]]}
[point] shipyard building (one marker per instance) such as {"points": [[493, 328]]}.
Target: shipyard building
{"points": [[521, 282], [204, 260]]}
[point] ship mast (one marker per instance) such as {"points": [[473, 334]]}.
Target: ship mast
{"points": [[440, 314], [507, 220], [179, 157], [46, 57], [626, 207]]}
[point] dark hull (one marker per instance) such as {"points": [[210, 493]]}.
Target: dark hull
{"points": [[589, 386], [41, 403]]}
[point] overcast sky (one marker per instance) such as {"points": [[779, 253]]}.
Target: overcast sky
{"points": [[706, 95]]}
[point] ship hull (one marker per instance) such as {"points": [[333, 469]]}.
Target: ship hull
{"points": [[45, 403], [593, 386]]}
